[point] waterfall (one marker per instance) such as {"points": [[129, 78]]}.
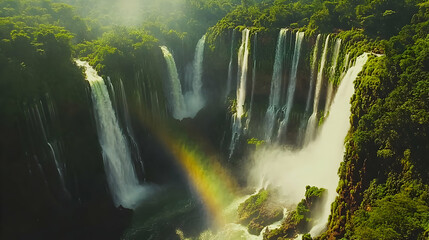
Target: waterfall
{"points": [[188, 104], [275, 91], [229, 80], [112, 93], [312, 121], [40, 122], [193, 98], [243, 58], [121, 176], [317, 163], [129, 127], [249, 115], [330, 90], [333, 132], [60, 168], [310, 90], [313, 72], [292, 85], [173, 91]]}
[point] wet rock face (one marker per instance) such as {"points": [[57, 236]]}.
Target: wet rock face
{"points": [[259, 211]]}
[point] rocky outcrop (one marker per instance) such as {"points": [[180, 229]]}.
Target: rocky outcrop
{"points": [[300, 220], [259, 211]]}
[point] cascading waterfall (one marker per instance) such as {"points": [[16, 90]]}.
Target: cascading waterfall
{"points": [[193, 98], [334, 131], [243, 58], [313, 73], [317, 163], [312, 121], [330, 90], [276, 81], [188, 104], [173, 91], [229, 80], [310, 89], [292, 85], [121, 176], [129, 127], [249, 115]]}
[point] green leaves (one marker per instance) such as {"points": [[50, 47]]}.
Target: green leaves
{"points": [[392, 217]]}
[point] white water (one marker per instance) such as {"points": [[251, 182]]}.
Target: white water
{"points": [[313, 121], [233, 230], [243, 60], [193, 98], [173, 91], [121, 176], [330, 90], [316, 164], [249, 115], [308, 103], [229, 80], [188, 104], [292, 85], [275, 91]]}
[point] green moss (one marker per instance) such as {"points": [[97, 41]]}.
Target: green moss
{"points": [[300, 220], [258, 211]]}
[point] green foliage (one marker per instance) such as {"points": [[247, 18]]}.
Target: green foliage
{"points": [[38, 12], [255, 141], [119, 49], [385, 162], [306, 236], [312, 192], [392, 217], [300, 220]]}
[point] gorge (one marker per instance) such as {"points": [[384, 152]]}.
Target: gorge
{"points": [[213, 119]]}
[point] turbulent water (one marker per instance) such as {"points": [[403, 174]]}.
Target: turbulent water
{"points": [[121, 176], [317, 163], [273, 165]]}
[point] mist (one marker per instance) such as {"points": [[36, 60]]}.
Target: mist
{"points": [[316, 164], [128, 12]]}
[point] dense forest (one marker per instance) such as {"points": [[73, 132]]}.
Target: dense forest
{"points": [[53, 163]]}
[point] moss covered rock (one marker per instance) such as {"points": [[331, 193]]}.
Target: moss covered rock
{"points": [[259, 211], [300, 220]]}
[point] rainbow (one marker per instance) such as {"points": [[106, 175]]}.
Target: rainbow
{"points": [[213, 184]]}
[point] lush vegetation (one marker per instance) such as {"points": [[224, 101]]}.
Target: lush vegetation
{"points": [[260, 210], [386, 158], [379, 19], [384, 179], [300, 220]]}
